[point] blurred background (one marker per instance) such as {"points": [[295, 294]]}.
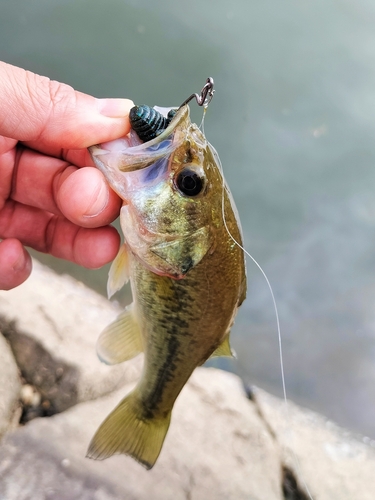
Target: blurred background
{"points": [[293, 120]]}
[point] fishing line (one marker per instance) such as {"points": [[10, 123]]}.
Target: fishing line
{"points": [[281, 357], [204, 99], [265, 277], [201, 126]]}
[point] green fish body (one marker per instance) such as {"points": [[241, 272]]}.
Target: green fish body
{"points": [[187, 276]]}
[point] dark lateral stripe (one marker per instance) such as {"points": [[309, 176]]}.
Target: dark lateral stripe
{"points": [[164, 374]]}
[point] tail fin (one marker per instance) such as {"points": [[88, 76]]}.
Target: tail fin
{"points": [[126, 431]]}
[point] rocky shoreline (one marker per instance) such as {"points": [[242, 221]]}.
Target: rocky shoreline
{"points": [[222, 444]]}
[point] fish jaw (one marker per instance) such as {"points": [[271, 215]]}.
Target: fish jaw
{"points": [[128, 154]]}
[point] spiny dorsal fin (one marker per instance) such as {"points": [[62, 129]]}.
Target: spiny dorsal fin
{"points": [[126, 431], [121, 340], [119, 272]]}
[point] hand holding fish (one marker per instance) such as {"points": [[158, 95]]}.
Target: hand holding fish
{"points": [[47, 201]]}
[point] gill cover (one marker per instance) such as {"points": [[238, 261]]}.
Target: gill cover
{"points": [[184, 253]]}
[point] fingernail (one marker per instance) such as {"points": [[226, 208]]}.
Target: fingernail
{"points": [[101, 199], [20, 263], [114, 108]]}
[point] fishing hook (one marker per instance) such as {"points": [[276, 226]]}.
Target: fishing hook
{"points": [[206, 95]]}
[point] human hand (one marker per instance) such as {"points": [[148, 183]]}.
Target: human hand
{"points": [[50, 199]]}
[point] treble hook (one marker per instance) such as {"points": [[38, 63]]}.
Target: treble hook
{"points": [[206, 95]]}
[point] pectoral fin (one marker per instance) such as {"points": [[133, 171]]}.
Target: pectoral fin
{"points": [[119, 272], [121, 340], [224, 349]]}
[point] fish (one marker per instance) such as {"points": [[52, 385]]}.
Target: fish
{"points": [[187, 273]]}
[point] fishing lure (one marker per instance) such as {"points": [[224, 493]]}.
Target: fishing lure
{"points": [[148, 122]]}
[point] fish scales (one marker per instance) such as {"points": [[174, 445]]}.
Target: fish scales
{"points": [[186, 324], [187, 276]]}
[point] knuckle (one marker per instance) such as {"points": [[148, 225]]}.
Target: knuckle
{"points": [[50, 100], [48, 93], [60, 94]]}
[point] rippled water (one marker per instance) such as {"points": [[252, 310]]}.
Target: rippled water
{"points": [[293, 119]]}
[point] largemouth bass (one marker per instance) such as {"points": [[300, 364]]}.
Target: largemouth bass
{"points": [[187, 276]]}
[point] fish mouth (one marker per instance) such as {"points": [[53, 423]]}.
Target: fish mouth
{"points": [[129, 153], [116, 159]]}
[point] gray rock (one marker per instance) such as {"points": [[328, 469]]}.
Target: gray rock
{"points": [[10, 386], [220, 445], [329, 461], [217, 448], [52, 323]]}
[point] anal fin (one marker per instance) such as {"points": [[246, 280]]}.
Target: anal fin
{"points": [[121, 340]]}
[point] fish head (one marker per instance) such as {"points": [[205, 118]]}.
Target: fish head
{"points": [[171, 189]]}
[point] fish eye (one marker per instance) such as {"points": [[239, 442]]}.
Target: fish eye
{"points": [[189, 183]]}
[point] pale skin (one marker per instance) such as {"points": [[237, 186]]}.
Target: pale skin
{"points": [[52, 199]]}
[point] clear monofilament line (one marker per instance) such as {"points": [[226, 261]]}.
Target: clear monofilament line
{"points": [[272, 295], [295, 458], [201, 126]]}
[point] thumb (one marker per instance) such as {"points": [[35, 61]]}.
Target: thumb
{"points": [[35, 108]]}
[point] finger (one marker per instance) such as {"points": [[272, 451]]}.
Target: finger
{"points": [[91, 248], [34, 179], [81, 195], [7, 160], [78, 157], [85, 198], [15, 264], [52, 234], [38, 109]]}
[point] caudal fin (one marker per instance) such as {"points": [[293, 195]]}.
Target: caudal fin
{"points": [[126, 431]]}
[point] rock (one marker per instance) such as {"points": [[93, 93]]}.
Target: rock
{"points": [[217, 448], [330, 461], [221, 444], [52, 323], [10, 386]]}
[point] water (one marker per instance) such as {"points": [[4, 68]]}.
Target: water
{"points": [[293, 119]]}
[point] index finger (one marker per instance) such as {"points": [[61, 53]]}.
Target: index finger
{"points": [[37, 109]]}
